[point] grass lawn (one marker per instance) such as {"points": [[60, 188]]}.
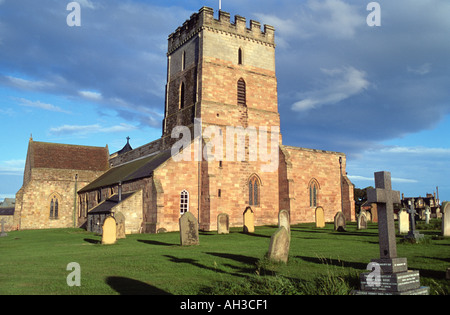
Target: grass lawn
{"points": [[34, 262]]}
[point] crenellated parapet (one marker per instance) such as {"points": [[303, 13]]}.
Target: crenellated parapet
{"points": [[204, 19]]}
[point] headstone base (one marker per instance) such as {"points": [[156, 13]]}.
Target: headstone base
{"points": [[416, 236], [394, 279], [419, 291], [392, 265]]}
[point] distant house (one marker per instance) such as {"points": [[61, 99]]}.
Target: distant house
{"points": [[422, 203]]}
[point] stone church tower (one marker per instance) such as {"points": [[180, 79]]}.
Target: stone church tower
{"points": [[223, 73]]}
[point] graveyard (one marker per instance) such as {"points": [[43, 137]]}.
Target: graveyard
{"points": [[320, 261]]}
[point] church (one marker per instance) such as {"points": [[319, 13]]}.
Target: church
{"points": [[221, 150]]}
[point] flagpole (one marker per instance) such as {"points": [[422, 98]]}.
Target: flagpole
{"points": [[220, 5]]}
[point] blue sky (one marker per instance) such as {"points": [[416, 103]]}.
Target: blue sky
{"points": [[379, 94]]}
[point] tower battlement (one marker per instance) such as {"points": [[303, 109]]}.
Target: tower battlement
{"points": [[204, 19]]}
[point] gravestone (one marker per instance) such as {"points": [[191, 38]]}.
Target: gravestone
{"points": [[403, 222], [3, 233], [249, 221], [120, 221], [279, 245], [109, 234], [284, 220], [223, 223], [374, 212], [188, 229], [320, 217], [446, 218], [427, 215], [413, 234], [362, 221], [391, 273], [339, 222]]}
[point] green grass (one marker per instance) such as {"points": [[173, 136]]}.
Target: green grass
{"points": [[321, 261]]}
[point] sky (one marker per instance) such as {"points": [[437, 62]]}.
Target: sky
{"points": [[379, 94]]}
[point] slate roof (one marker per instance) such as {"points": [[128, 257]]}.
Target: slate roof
{"points": [[107, 205], [64, 156], [6, 211], [135, 170]]}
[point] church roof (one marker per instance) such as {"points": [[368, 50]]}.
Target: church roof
{"points": [[64, 156], [108, 204], [134, 170], [126, 148]]}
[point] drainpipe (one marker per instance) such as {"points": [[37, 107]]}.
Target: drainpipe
{"points": [[120, 192], [75, 202]]}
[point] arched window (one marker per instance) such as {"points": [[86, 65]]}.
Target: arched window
{"points": [[241, 93], [254, 191], [184, 202], [54, 205], [313, 193], [240, 56], [182, 93]]}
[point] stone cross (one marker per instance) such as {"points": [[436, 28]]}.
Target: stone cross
{"points": [[412, 213], [413, 234], [385, 197]]}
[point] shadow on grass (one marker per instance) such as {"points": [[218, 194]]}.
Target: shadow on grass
{"points": [[150, 242], [334, 262], [127, 286], [92, 241]]}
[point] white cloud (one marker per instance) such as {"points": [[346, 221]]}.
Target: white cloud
{"points": [[28, 84], [421, 70], [371, 179], [416, 150], [40, 105], [345, 83], [12, 167], [89, 129], [96, 96], [86, 4]]}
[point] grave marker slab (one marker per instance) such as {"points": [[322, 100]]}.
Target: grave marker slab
{"points": [[320, 217], [446, 218], [109, 234], [249, 221], [403, 222], [223, 223], [279, 245], [362, 221], [339, 222], [120, 221], [284, 220], [188, 230], [3, 233]]}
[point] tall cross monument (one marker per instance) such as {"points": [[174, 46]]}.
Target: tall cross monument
{"points": [[390, 275]]}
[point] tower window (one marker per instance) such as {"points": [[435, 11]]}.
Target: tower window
{"points": [[184, 202], [241, 93], [183, 60], [182, 93], [240, 57]]}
